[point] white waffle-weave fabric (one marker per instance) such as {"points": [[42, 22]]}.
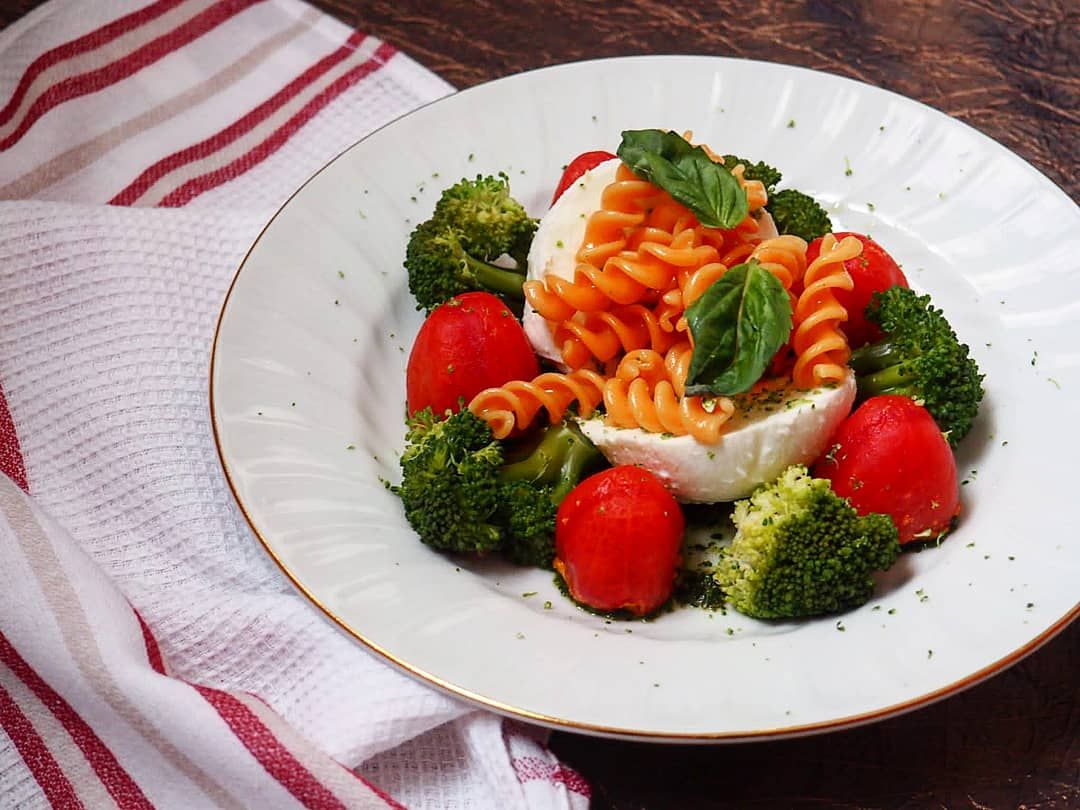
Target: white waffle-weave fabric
{"points": [[150, 656]]}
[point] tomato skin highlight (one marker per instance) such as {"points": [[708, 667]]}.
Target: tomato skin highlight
{"points": [[577, 167], [617, 541], [873, 271], [889, 456], [470, 343]]}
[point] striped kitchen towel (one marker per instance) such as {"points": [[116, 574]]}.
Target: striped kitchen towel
{"points": [[150, 656]]}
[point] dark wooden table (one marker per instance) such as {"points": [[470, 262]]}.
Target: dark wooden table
{"points": [[1010, 69]]}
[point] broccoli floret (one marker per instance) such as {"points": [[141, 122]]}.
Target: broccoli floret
{"points": [[450, 481], [534, 487], [799, 214], [440, 267], [460, 494], [528, 513], [801, 550], [475, 222], [919, 357], [762, 171], [490, 220]]}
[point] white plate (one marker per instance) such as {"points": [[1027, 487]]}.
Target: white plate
{"points": [[307, 392]]}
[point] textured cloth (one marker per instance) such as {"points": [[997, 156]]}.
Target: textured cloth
{"points": [[150, 655]]}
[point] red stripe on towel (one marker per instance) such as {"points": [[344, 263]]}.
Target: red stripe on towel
{"points": [[38, 758], [193, 188], [268, 751], [153, 652], [84, 44], [529, 768], [235, 130], [97, 80], [11, 459], [116, 780]]}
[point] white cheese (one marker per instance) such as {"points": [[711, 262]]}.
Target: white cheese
{"points": [[557, 239], [758, 446]]}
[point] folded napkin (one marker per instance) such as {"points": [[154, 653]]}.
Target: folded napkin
{"points": [[150, 655]]}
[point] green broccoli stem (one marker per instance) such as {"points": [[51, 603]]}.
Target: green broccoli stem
{"points": [[581, 456], [544, 462], [560, 459], [892, 380], [499, 280], [876, 356]]}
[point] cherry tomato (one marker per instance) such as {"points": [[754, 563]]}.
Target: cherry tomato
{"points": [[470, 343], [617, 540], [873, 271], [577, 167], [889, 456]]}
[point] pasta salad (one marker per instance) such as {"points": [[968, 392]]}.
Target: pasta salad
{"points": [[677, 330]]}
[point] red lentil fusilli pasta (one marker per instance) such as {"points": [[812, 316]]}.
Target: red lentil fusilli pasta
{"points": [[647, 392], [820, 347], [517, 403], [643, 260]]}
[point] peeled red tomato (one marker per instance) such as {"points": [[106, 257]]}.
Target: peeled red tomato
{"points": [[617, 541], [890, 457], [470, 343]]}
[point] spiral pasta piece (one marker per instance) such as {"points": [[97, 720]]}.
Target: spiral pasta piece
{"points": [[732, 248], [693, 285], [557, 298], [665, 241], [647, 392], [784, 257], [673, 303], [677, 364], [821, 349], [603, 335], [669, 309], [517, 403]]}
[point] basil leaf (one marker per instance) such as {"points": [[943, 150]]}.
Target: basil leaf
{"points": [[687, 174], [739, 323]]}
